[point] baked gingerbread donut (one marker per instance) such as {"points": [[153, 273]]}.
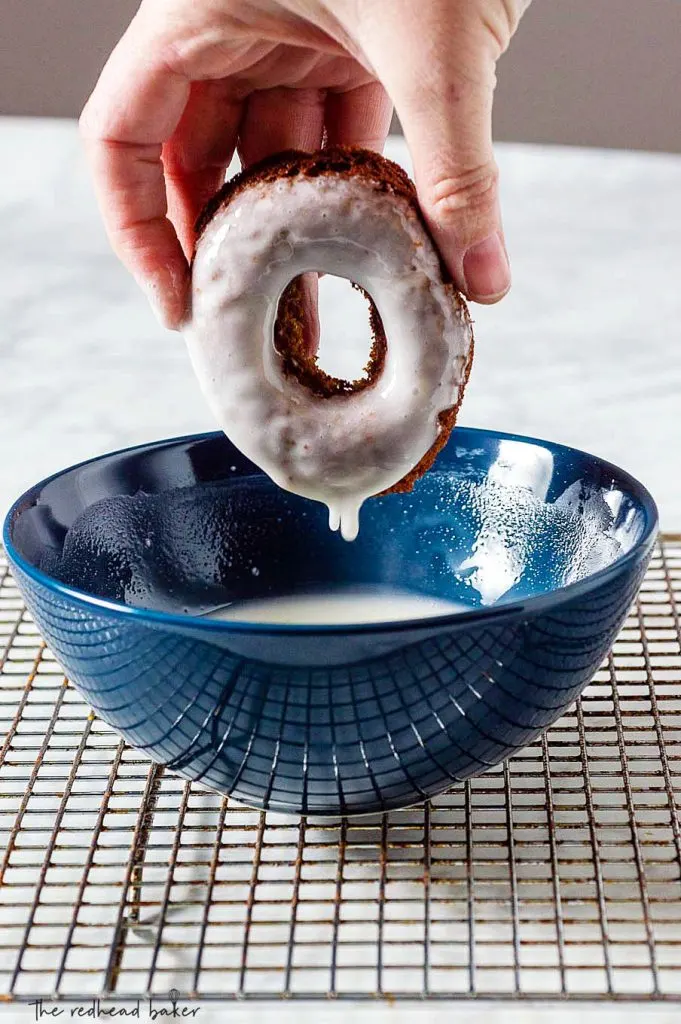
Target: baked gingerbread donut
{"points": [[352, 213]]}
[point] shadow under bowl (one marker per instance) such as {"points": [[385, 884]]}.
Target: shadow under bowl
{"points": [[118, 557]]}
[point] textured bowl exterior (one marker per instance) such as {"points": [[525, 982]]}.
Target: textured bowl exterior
{"points": [[341, 719], [377, 732]]}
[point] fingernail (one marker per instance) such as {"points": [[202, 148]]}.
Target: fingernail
{"points": [[486, 271]]}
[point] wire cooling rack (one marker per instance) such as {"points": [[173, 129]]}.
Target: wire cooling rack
{"points": [[558, 874]]}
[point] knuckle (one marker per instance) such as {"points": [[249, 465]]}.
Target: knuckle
{"points": [[472, 191], [500, 21], [177, 54]]}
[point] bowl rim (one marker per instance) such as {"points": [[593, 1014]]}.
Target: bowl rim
{"points": [[519, 606]]}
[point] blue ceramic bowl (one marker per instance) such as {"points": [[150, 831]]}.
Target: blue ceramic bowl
{"points": [[546, 546]]}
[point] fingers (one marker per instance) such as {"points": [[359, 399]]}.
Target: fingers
{"points": [[279, 119], [356, 117], [135, 107], [275, 120], [196, 158], [437, 62], [359, 117]]}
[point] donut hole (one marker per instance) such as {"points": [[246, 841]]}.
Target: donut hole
{"points": [[337, 349], [345, 335]]}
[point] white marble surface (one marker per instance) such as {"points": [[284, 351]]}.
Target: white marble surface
{"points": [[586, 349]]}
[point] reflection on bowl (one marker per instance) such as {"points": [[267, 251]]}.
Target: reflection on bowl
{"points": [[120, 558]]}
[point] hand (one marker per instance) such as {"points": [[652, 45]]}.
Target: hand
{"points": [[193, 80]]}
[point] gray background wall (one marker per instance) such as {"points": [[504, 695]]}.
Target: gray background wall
{"points": [[592, 72]]}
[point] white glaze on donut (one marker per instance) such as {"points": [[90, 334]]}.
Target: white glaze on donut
{"points": [[344, 448]]}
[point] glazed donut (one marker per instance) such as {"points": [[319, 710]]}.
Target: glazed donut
{"points": [[351, 213]]}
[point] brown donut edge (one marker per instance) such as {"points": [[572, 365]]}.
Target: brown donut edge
{"points": [[387, 177]]}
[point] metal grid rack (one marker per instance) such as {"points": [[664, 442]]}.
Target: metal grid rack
{"points": [[558, 874]]}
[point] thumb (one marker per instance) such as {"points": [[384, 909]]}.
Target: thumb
{"points": [[438, 66]]}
